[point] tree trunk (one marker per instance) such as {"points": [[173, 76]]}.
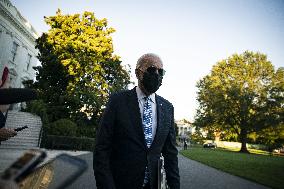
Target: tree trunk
{"points": [[243, 138]]}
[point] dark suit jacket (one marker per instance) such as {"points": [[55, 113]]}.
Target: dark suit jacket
{"points": [[121, 154]]}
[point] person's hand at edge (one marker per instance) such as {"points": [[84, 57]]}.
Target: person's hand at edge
{"points": [[5, 134]]}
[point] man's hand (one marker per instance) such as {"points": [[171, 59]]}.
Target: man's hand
{"points": [[5, 134]]}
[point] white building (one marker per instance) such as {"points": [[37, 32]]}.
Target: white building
{"points": [[184, 128], [17, 45]]}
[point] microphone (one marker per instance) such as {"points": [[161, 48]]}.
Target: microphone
{"points": [[16, 95]]}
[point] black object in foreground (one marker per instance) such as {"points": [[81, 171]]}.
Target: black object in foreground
{"points": [[57, 173], [16, 95], [21, 128], [24, 165], [65, 170]]}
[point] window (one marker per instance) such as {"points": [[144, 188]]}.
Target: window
{"points": [[13, 78], [14, 50], [29, 58]]}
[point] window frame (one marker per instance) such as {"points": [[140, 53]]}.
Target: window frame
{"points": [[14, 50]]}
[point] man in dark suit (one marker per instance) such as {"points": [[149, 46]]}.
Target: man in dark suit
{"points": [[136, 128]]}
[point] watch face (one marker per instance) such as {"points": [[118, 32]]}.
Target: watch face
{"points": [[4, 76]]}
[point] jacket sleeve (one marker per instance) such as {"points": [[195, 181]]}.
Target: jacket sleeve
{"points": [[170, 153], [103, 146]]}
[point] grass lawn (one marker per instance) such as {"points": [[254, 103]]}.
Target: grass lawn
{"points": [[264, 169]]}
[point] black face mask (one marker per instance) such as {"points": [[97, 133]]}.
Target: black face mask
{"points": [[152, 82]]}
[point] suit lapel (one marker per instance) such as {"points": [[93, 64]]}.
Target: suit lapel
{"points": [[135, 115], [136, 119], [160, 119]]}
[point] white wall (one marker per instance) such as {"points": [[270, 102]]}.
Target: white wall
{"points": [[14, 28]]}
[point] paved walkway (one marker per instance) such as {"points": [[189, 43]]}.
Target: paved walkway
{"points": [[193, 174], [199, 176]]}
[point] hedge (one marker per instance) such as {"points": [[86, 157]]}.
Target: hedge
{"points": [[62, 127], [68, 143]]}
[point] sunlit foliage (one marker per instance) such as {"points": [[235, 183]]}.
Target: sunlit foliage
{"points": [[242, 94], [78, 67]]}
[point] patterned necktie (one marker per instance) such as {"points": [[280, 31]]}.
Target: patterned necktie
{"points": [[147, 125], [147, 121]]}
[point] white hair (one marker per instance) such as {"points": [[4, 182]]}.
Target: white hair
{"points": [[148, 57]]}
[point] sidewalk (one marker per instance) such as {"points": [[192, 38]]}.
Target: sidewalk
{"points": [[193, 174], [199, 176]]}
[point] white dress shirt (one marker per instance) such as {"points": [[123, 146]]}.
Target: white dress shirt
{"points": [[141, 100]]}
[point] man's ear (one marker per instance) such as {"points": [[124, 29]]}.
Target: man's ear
{"points": [[136, 73]]}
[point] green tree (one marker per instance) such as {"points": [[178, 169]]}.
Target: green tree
{"points": [[242, 94], [272, 137], [197, 137], [78, 67]]}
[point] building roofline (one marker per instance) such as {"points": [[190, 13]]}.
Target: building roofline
{"points": [[17, 20]]}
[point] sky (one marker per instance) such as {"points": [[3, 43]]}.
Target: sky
{"points": [[190, 36]]}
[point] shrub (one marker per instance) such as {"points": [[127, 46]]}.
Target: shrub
{"points": [[62, 127], [86, 131], [69, 143], [37, 107]]}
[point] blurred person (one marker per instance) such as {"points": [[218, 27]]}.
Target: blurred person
{"points": [[185, 145], [5, 133], [136, 128], [8, 96]]}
